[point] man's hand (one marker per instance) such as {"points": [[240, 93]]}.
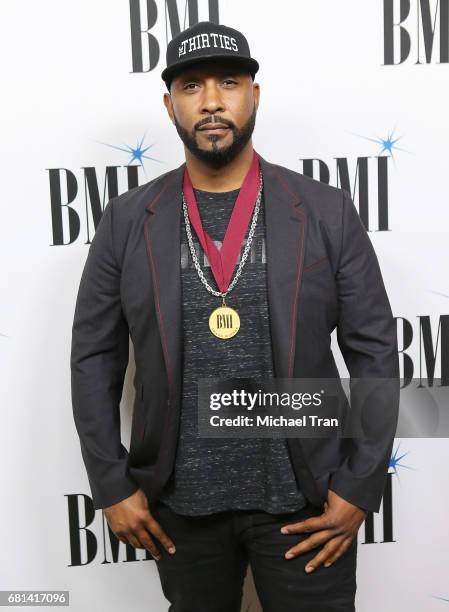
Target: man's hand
{"points": [[132, 522], [335, 528]]}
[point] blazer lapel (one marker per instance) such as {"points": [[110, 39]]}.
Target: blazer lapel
{"points": [[286, 230], [285, 237], [162, 232], [285, 240]]}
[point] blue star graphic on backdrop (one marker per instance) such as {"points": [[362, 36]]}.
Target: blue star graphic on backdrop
{"points": [[137, 153], [395, 462], [387, 144]]}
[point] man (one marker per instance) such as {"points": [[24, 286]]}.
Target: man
{"points": [[230, 266]]}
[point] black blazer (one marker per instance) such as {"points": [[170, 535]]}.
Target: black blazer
{"points": [[322, 274]]}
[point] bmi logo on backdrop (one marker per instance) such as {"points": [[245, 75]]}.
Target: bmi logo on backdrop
{"points": [[411, 30]]}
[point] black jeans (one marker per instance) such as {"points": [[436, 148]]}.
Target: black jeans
{"points": [[207, 571]]}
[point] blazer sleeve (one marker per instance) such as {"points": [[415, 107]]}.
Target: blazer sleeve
{"points": [[367, 337], [98, 362]]}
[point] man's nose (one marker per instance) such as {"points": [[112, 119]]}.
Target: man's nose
{"points": [[212, 101]]}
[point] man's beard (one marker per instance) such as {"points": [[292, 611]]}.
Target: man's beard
{"points": [[217, 156]]}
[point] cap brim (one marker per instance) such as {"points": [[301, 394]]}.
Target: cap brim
{"points": [[248, 63]]}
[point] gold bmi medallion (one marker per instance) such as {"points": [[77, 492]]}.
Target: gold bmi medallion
{"points": [[224, 322]]}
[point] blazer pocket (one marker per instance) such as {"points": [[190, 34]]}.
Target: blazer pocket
{"points": [[315, 265]]}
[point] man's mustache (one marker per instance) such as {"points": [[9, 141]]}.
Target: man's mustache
{"points": [[214, 119]]}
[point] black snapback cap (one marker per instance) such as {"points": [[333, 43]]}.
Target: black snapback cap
{"points": [[207, 40]]}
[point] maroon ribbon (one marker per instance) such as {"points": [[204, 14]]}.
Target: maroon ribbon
{"points": [[223, 261]]}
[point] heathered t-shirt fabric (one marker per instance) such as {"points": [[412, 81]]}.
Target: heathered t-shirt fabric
{"points": [[216, 474]]}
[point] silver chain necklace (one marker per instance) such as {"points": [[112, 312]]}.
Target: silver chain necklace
{"points": [[245, 251]]}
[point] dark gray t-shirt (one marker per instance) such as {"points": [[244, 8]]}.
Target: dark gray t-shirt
{"points": [[215, 474]]}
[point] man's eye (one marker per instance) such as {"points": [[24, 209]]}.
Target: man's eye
{"points": [[188, 85], [229, 81]]}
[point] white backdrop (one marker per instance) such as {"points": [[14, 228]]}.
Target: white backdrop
{"points": [[70, 102]]}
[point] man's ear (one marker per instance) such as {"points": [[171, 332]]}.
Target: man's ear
{"points": [[256, 93], [169, 106]]}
